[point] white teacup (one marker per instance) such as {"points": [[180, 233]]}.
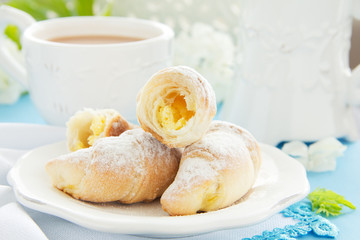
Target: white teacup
{"points": [[65, 77], [294, 79]]}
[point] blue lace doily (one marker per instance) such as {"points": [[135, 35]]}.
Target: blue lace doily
{"points": [[308, 222]]}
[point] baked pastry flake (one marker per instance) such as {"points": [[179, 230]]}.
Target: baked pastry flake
{"points": [[88, 125], [176, 105], [129, 168], [214, 172]]}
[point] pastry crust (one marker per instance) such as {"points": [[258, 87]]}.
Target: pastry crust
{"points": [[176, 106], [214, 172], [129, 168], [88, 125]]}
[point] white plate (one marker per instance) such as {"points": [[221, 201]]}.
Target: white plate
{"points": [[281, 182]]}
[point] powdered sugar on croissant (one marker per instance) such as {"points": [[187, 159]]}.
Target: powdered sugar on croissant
{"points": [[176, 105], [214, 172], [132, 167]]}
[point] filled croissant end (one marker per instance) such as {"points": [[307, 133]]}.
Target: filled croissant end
{"points": [[129, 168], [176, 106], [214, 172], [85, 126]]}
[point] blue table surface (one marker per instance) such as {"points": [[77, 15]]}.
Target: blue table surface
{"points": [[345, 180]]}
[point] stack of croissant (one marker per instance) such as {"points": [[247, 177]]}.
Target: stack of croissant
{"points": [[177, 153]]}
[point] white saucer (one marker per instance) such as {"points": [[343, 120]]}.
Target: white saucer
{"points": [[282, 181]]}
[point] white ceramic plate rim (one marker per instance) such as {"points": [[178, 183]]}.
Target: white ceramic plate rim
{"points": [[292, 186]]}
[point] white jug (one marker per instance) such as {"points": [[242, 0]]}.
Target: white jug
{"points": [[294, 80]]}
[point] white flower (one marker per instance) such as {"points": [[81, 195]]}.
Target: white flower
{"points": [[323, 154], [210, 52], [10, 90], [318, 157], [297, 150]]}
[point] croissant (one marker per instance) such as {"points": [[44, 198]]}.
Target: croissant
{"points": [[85, 126], [214, 172], [129, 168], [176, 106]]}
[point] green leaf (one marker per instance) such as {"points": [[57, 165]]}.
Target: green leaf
{"points": [[13, 33], [328, 202], [347, 203], [29, 6], [40, 9], [57, 6], [84, 7]]}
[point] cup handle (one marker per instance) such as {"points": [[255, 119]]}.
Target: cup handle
{"points": [[10, 15]]}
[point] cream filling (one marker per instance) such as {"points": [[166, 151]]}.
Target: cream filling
{"points": [[174, 116]]}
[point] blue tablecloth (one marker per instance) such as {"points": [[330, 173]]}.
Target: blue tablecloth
{"points": [[345, 180]]}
